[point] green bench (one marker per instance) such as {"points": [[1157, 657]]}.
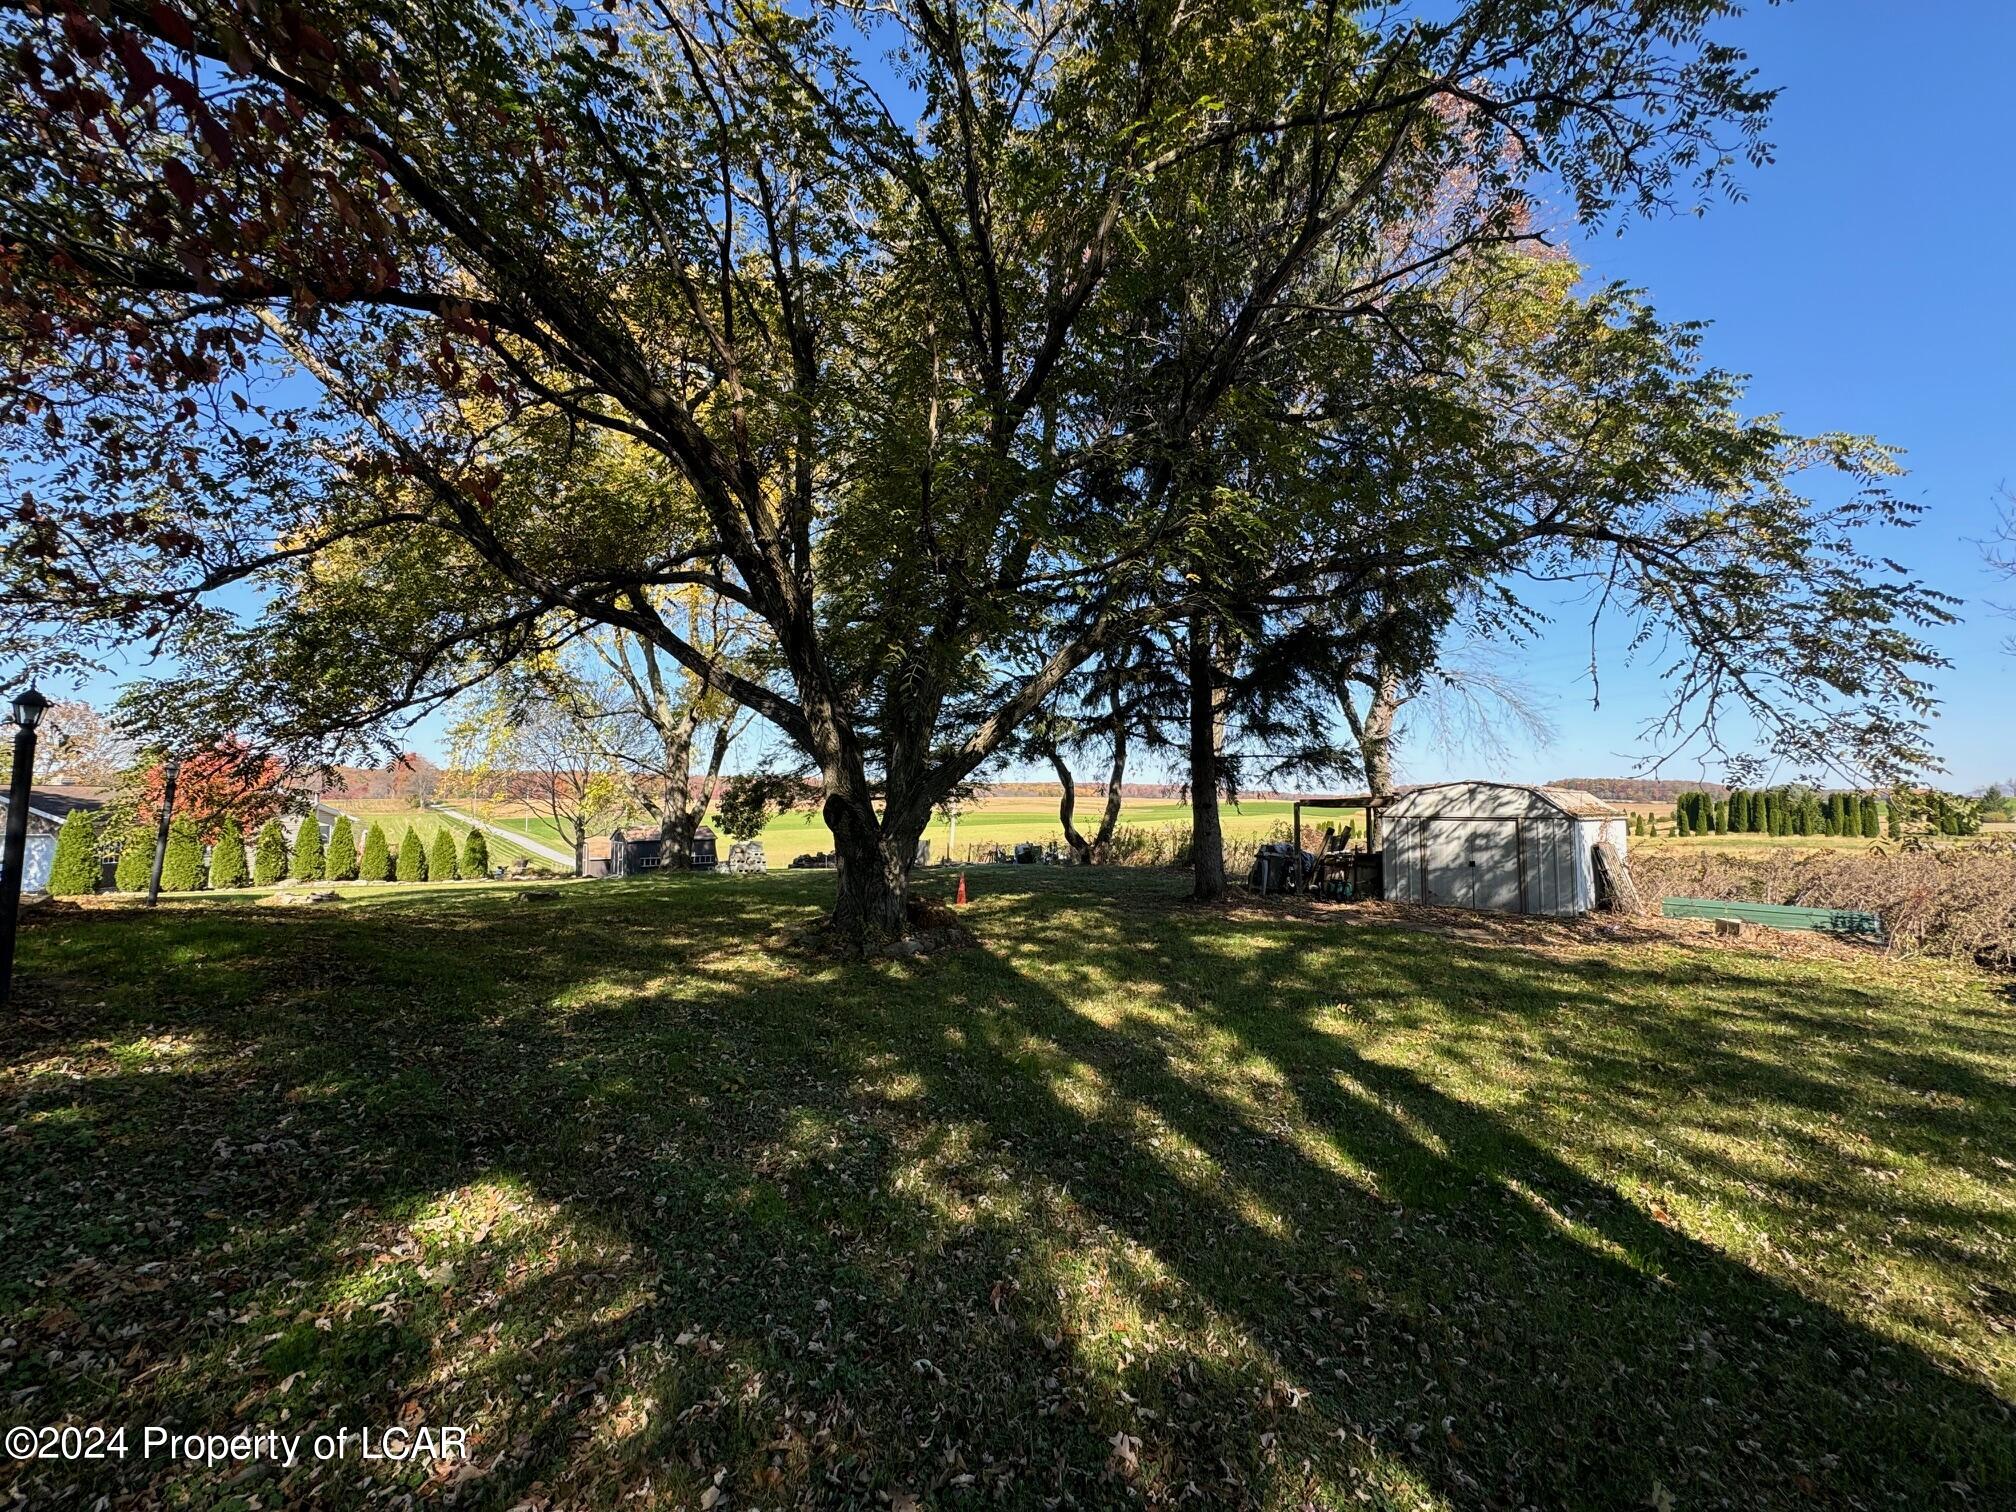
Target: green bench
{"points": [[1840, 921]]}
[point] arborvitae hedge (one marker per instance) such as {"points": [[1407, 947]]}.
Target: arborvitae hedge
{"points": [[441, 856], [339, 863], [182, 867], [412, 858], [136, 860], [269, 859], [1871, 820], [74, 872], [375, 865], [227, 856], [475, 855], [308, 850]]}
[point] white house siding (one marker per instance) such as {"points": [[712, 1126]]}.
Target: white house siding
{"points": [[35, 865]]}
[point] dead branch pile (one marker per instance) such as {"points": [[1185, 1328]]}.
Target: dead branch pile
{"points": [[1957, 901]]}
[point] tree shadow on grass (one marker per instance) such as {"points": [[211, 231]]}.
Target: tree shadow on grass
{"points": [[1117, 1206], [1509, 1326]]}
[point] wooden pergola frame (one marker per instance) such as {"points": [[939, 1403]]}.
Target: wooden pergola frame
{"points": [[1363, 801]]}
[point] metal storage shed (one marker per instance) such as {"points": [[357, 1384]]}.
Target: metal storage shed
{"points": [[1497, 845]]}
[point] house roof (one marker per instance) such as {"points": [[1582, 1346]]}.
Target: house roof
{"points": [[55, 803]]}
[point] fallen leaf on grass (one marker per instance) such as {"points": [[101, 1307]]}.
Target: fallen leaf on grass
{"points": [[1126, 1455]]}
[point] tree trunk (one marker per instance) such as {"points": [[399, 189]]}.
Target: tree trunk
{"points": [[1081, 848], [681, 816], [1116, 781], [1374, 733], [874, 875], [1378, 748], [675, 837], [684, 808], [580, 842], [710, 789], [1207, 838]]}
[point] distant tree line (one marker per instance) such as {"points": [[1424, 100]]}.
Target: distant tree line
{"points": [[1793, 809]]}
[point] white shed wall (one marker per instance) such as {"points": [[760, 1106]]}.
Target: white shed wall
{"points": [[1493, 846]]}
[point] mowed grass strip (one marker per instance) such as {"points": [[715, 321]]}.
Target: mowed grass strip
{"points": [[1136, 1204], [1005, 821], [426, 823]]}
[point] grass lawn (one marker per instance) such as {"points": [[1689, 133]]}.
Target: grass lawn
{"points": [[1005, 821], [1135, 1204], [543, 830], [426, 823]]}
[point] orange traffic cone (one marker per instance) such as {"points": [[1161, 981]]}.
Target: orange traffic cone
{"points": [[960, 900]]}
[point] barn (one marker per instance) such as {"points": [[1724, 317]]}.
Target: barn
{"points": [[1503, 846]]}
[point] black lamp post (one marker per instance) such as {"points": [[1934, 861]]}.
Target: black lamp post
{"points": [[170, 770], [28, 709]]}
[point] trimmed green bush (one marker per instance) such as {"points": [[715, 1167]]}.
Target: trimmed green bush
{"points": [[441, 865], [375, 864], [269, 860], [412, 858], [308, 850], [227, 856], [340, 863], [74, 872], [136, 860], [1871, 820], [475, 855], [182, 867]]}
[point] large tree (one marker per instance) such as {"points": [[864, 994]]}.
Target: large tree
{"points": [[80, 745], [463, 326], [536, 740], [649, 714], [1554, 436]]}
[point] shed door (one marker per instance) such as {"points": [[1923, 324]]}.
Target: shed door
{"points": [[1472, 863]]}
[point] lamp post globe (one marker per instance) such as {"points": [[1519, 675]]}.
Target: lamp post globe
{"points": [[29, 707]]}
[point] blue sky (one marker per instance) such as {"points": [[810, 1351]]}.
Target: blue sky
{"points": [[1864, 285]]}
